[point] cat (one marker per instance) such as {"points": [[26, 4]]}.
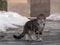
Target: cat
{"points": [[35, 26]]}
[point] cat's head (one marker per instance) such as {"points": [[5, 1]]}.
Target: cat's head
{"points": [[41, 16]]}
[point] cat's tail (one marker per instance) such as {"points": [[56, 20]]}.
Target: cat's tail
{"points": [[20, 36]]}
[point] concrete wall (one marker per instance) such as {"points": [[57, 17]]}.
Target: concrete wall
{"points": [[20, 6], [29, 7], [40, 6], [33, 7], [17, 1], [54, 6]]}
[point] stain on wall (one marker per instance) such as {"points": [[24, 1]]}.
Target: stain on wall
{"points": [[40, 7]]}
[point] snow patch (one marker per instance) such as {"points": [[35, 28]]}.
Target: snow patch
{"points": [[54, 17], [11, 19]]}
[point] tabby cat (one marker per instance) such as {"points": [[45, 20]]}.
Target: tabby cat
{"points": [[35, 26]]}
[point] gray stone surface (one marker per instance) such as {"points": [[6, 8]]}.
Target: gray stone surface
{"points": [[50, 37]]}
